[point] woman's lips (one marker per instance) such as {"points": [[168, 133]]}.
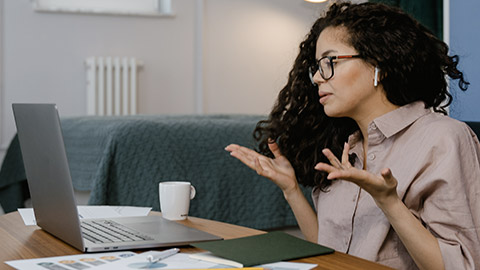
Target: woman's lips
{"points": [[324, 96]]}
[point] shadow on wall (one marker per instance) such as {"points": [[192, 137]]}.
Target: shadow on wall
{"points": [[475, 126]]}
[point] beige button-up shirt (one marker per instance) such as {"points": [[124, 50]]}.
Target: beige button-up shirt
{"points": [[436, 161]]}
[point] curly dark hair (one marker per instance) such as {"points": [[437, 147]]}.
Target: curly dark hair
{"points": [[412, 62]]}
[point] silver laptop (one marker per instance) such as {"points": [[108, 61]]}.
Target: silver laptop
{"points": [[51, 191]]}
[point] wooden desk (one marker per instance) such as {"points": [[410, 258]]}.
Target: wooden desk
{"points": [[18, 241]]}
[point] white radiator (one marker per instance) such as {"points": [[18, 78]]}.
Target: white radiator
{"points": [[112, 85]]}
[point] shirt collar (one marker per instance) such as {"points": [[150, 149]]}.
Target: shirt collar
{"points": [[390, 123], [395, 121]]}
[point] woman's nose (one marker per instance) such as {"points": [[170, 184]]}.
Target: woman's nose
{"points": [[317, 78]]}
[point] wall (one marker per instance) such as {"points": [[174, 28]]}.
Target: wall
{"points": [[465, 42], [236, 53], [250, 46], [2, 149]]}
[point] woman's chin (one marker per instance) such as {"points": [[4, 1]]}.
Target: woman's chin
{"points": [[331, 112]]}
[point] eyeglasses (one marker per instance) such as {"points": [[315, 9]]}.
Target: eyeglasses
{"points": [[325, 66]]}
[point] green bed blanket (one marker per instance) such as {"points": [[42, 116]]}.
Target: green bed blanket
{"points": [[121, 160]]}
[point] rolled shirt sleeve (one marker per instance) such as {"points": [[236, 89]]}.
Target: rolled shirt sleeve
{"points": [[445, 196]]}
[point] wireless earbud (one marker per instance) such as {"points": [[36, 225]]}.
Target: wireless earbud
{"points": [[375, 81]]}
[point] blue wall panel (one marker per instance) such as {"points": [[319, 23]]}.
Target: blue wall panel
{"points": [[465, 42]]}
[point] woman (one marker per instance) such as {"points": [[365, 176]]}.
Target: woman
{"points": [[403, 190]]}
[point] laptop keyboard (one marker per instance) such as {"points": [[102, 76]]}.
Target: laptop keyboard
{"points": [[108, 231]]}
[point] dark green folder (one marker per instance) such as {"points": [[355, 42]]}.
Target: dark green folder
{"points": [[263, 248]]}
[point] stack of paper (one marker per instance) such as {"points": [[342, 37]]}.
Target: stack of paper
{"points": [[92, 211], [129, 260]]}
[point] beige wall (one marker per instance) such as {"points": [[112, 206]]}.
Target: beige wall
{"points": [[213, 56], [250, 46]]}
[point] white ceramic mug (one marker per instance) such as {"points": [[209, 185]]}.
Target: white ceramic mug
{"points": [[175, 199]]}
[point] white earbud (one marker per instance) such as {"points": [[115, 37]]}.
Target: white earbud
{"points": [[375, 81]]}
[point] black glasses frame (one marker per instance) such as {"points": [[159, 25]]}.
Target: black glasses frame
{"points": [[313, 70]]}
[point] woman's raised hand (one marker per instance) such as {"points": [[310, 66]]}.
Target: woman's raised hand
{"points": [[381, 187], [277, 169]]}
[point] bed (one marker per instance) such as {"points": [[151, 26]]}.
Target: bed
{"points": [[121, 160]]}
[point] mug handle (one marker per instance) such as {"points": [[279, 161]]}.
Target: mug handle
{"points": [[192, 192]]}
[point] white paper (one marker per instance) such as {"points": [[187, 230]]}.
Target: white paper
{"points": [[82, 261], [93, 211], [108, 211], [97, 211], [288, 266], [209, 257], [132, 211], [177, 261], [28, 216], [129, 260]]}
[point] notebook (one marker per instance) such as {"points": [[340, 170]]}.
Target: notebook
{"points": [[49, 180], [264, 248]]}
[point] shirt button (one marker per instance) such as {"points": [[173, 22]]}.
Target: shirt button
{"points": [[371, 156]]}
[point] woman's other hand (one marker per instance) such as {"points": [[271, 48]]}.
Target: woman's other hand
{"points": [[383, 187], [277, 169]]}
